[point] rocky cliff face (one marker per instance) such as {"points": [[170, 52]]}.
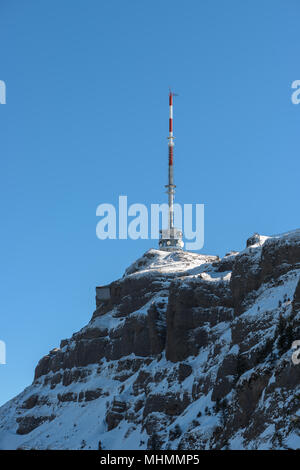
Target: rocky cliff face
{"points": [[190, 352]]}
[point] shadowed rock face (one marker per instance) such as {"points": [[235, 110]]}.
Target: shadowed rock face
{"points": [[190, 351], [296, 300], [192, 309], [278, 257]]}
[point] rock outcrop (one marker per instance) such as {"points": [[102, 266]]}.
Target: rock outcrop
{"points": [[189, 352]]}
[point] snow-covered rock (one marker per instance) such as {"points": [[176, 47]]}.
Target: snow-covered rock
{"points": [[189, 352]]}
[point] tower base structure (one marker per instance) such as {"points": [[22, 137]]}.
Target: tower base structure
{"points": [[170, 240]]}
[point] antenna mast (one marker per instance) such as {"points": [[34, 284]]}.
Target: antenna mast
{"points": [[171, 186], [171, 238]]}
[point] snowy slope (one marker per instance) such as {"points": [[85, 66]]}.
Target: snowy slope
{"points": [[191, 352]]}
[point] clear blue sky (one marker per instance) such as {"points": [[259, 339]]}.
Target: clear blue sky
{"points": [[86, 119]]}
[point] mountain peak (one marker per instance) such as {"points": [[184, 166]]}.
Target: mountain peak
{"points": [[157, 261], [186, 351]]}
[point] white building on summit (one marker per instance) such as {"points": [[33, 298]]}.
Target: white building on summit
{"points": [[171, 238]]}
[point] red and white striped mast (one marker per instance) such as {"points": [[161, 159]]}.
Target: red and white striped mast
{"points": [[171, 186], [171, 238]]}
